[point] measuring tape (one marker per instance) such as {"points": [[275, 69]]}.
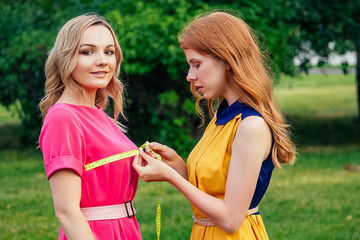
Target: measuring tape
{"points": [[128, 154]]}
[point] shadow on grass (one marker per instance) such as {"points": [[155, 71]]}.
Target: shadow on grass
{"points": [[325, 131], [307, 131], [10, 136]]}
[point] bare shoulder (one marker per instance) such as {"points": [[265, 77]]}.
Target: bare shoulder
{"points": [[253, 133], [254, 125]]}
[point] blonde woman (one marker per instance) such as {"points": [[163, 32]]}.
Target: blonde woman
{"points": [[229, 170], [81, 73]]}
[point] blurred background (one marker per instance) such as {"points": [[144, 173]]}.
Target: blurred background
{"points": [[313, 48]]}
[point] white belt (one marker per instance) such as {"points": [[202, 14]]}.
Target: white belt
{"points": [[109, 212], [208, 223]]}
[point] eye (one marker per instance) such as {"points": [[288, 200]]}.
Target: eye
{"points": [[86, 52], [110, 52]]}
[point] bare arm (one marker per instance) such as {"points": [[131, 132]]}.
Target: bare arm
{"points": [[250, 147], [66, 192]]}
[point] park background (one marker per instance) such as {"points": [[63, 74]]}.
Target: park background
{"points": [[317, 198]]}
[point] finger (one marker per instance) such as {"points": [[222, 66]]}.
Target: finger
{"points": [[148, 151], [157, 146], [137, 163], [143, 162], [147, 157], [136, 160]]}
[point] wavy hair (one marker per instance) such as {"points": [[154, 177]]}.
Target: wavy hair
{"points": [[62, 60], [228, 38]]}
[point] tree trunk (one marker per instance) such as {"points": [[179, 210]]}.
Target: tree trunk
{"points": [[357, 45]]}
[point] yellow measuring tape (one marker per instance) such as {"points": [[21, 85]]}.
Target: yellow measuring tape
{"points": [[128, 154]]}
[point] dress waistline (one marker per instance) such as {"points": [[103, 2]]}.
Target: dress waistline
{"points": [[109, 212], [208, 223]]}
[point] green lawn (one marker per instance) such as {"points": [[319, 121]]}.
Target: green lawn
{"points": [[318, 95], [321, 108], [317, 198], [9, 129]]}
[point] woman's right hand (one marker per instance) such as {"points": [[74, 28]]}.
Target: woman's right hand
{"points": [[168, 156]]}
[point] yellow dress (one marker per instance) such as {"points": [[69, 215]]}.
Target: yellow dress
{"points": [[207, 168]]}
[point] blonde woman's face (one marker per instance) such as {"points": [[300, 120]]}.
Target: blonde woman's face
{"points": [[96, 60]]}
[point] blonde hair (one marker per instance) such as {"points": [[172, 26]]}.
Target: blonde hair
{"points": [[62, 60], [231, 40]]}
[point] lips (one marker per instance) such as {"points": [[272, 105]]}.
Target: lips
{"points": [[99, 73], [199, 88]]}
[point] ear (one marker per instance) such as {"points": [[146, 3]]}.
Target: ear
{"points": [[227, 67]]}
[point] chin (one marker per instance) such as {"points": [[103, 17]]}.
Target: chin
{"points": [[207, 96]]}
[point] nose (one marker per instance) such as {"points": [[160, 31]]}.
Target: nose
{"points": [[101, 59], [191, 76]]}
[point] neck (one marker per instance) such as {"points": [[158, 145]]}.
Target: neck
{"points": [[71, 97], [230, 97]]}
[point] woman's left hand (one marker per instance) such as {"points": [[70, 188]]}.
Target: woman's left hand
{"points": [[151, 169]]}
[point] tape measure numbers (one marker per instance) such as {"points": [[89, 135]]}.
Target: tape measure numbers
{"points": [[111, 159], [128, 154]]}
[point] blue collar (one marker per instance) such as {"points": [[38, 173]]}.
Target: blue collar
{"points": [[225, 113]]}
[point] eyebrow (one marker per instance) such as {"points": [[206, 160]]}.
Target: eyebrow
{"points": [[92, 45]]}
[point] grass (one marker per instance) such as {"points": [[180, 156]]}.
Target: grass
{"points": [[321, 108], [9, 126], [26, 210], [317, 198], [318, 96]]}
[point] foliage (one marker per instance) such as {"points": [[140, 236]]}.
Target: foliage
{"points": [[322, 22], [157, 100], [329, 26], [28, 30], [154, 66]]}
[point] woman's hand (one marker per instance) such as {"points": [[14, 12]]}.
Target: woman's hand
{"points": [[151, 169], [168, 156]]}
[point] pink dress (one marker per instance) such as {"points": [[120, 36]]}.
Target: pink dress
{"points": [[73, 136]]}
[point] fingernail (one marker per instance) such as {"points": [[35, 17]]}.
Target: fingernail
{"points": [[141, 150]]}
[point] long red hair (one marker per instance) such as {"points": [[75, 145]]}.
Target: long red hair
{"points": [[230, 39]]}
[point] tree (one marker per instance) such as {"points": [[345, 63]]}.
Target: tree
{"points": [[159, 105], [322, 22], [28, 28]]}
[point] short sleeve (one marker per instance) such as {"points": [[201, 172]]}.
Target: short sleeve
{"points": [[62, 142]]}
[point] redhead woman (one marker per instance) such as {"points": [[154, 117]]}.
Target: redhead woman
{"points": [[229, 170], [81, 74]]}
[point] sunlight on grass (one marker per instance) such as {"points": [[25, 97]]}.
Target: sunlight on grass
{"points": [[9, 129], [8, 117], [325, 97], [25, 198], [316, 197]]}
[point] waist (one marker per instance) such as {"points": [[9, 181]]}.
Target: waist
{"points": [[208, 223], [109, 212]]}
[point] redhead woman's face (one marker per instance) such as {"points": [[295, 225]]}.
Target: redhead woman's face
{"points": [[96, 60], [208, 74]]}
